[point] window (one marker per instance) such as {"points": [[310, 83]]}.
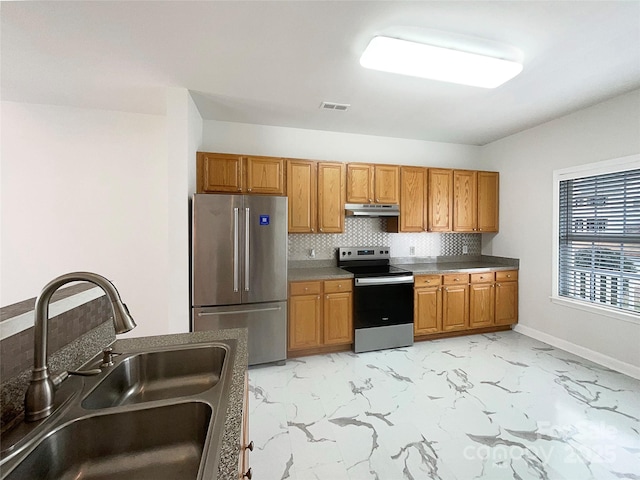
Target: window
{"points": [[598, 235]]}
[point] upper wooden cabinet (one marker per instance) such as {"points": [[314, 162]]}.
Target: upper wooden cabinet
{"points": [[331, 197], [264, 175], [440, 205], [413, 199], [465, 201], [373, 183], [316, 196], [218, 172], [301, 190], [488, 198], [475, 200], [228, 173]]}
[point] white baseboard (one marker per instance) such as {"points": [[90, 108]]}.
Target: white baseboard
{"points": [[605, 360]]}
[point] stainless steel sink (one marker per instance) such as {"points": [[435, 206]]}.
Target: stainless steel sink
{"points": [[155, 414], [156, 443], [159, 375]]}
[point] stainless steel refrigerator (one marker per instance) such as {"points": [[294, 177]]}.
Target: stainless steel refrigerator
{"points": [[239, 269]]}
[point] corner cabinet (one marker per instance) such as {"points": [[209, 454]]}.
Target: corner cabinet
{"points": [[320, 316], [229, 173], [475, 201]]}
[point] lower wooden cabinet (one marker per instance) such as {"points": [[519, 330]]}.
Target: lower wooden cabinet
{"points": [[459, 302], [246, 445], [506, 297], [482, 298], [320, 314]]}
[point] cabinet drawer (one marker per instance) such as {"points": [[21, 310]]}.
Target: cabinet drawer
{"points": [[507, 276], [455, 278], [333, 286], [427, 280], [482, 277], [305, 288]]}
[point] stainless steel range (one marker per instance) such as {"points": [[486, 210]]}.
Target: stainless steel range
{"points": [[382, 299]]}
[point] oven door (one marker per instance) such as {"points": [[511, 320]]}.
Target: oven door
{"points": [[383, 301]]}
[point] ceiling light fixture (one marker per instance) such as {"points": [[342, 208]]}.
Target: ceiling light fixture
{"points": [[437, 63]]}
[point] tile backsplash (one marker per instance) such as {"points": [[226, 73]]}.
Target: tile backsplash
{"points": [[371, 231]]}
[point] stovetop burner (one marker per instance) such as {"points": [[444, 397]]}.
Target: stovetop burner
{"points": [[368, 262]]}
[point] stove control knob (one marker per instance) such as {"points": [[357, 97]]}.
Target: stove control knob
{"points": [[386, 251], [349, 253], [381, 252], [344, 253]]}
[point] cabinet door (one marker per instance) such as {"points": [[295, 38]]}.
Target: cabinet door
{"points": [[481, 304], [488, 188], [265, 175], [413, 199], [387, 183], [301, 191], [455, 307], [331, 185], [218, 172], [338, 324], [359, 183], [506, 303], [427, 313], [304, 321], [440, 200], [465, 206]]}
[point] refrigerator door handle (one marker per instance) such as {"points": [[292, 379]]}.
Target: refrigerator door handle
{"points": [[236, 247], [236, 312], [246, 249]]}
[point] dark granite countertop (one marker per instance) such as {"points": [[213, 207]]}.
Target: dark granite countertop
{"points": [[320, 270], [230, 447], [455, 267]]}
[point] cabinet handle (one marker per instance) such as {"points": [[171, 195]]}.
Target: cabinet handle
{"points": [[247, 474]]}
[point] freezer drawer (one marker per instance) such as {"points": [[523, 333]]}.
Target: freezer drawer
{"points": [[265, 322]]}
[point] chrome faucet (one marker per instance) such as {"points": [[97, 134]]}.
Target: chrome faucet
{"points": [[38, 401]]}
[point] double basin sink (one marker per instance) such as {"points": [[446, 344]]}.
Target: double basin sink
{"points": [[156, 414]]}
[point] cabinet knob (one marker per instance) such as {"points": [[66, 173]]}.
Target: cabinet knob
{"points": [[247, 474], [312, 229], [248, 189], [428, 281], [339, 285], [369, 200], [250, 446], [320, 229], [306, 289], [326, 297], [377, 200], [508, 275]]}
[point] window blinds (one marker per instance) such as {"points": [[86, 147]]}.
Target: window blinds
{"points": [[599, 239]]}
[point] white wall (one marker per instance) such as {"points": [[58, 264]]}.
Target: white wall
{"points": [[526, 162], [85, 190], [333, 146], [184, 135]]}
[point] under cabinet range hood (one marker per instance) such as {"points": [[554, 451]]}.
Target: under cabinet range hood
{"points": [[371, 210]]}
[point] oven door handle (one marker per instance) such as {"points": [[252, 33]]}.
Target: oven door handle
{"points": [[384, 280]]}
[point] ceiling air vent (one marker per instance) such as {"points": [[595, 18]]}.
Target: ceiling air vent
{"points": [[334, 106]]}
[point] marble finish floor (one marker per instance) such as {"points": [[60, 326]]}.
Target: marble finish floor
{"points": [[494, 406]]}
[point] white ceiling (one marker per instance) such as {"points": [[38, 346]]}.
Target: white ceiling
{"points": [[273, 63]]}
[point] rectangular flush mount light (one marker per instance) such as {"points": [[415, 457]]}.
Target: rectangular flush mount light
{"points": [[437, 63]]}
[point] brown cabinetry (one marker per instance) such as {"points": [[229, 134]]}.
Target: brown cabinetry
{"points": [[482, 300], [228, 173], [320, 314], [368, 183], [440, 205], [316, 196], [455, 302], [413, 199], [427, 304], [460, 302], [506, 297], [305, 315], [475, 201]]}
